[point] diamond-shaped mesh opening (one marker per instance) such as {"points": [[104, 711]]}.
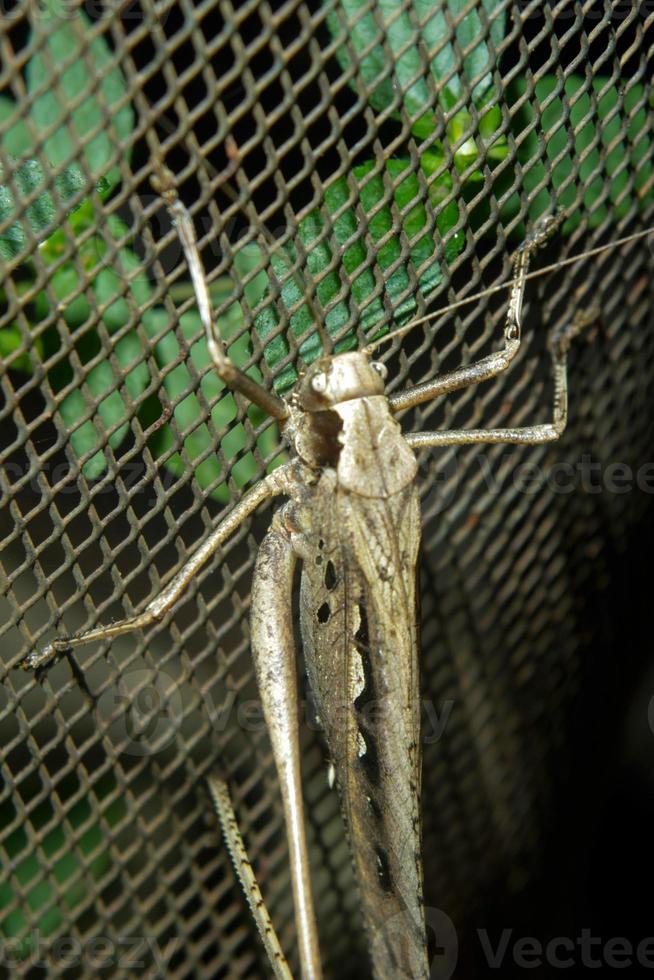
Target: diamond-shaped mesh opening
{"points": [[383, 160]]}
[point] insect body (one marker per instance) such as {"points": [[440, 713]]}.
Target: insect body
{"points": [[359, 536], [352, 519]]}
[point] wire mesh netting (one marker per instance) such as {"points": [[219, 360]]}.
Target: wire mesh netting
{"points": [[383, 159]]}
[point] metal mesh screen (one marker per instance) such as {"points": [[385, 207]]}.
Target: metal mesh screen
{"points": [[389, 157]]}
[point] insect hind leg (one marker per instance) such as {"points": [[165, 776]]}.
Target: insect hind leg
{"points": [[275, 661], [488, 367]]}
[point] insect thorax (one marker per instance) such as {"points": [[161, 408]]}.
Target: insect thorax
{"points": [[340, 418]]}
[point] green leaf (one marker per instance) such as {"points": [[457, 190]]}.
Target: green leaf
{"points": [[69, 291], [107, 286], [12, 341], [64, 41], [72, 289], [80, 287], [609, 144], [17, 139], [111, 409], [42, 212], [189, 413], [72, 857], [389, 40], [424, 260]]}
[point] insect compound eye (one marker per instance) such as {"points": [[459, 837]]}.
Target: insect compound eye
{"points": [[381, 369], [319, 383]]}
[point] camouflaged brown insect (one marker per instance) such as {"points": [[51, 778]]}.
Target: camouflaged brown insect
{"points": [[352, 519]]}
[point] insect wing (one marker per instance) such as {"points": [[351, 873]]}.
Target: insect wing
{"points": [[359, 630]]}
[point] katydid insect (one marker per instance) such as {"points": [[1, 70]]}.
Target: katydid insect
{"points": [[352, 519]]}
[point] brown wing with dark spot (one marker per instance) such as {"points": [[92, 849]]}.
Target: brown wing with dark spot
{"points": [[358, 615]]}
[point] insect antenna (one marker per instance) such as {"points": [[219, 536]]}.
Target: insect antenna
{"points": [[238, 854], [163, 183], [273, 245], [451, 307]]}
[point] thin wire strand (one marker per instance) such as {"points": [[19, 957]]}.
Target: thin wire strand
{"points": [[401, 331], [234, 159]]}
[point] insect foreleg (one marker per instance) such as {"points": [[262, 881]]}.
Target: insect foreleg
{"points": [[499, 361], [273, 652], [547, 432], [276, 483], [243, 868]]}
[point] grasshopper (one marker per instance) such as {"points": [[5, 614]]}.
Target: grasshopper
{"points": [[352, 519]]}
